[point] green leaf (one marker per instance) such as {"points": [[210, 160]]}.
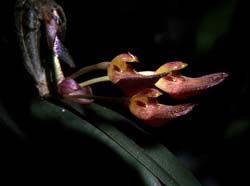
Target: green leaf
{"points": [[171, 164], [45, 111], [158, 152], [213, 25], [102, 128]]}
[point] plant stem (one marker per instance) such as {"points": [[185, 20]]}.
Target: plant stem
{"points": [[98, 66], [94, 80]]}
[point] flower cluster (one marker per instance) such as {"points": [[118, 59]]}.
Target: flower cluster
{"points": [[143, 88], [140, 88]]}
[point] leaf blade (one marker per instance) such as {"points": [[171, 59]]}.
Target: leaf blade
{"points": [[140, 159]]}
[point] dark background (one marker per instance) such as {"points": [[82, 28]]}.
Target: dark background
{"points": [[212, 141]]}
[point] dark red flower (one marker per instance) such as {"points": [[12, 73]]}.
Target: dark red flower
{"points": [[182, 87], [123, 74], [144, 105]]}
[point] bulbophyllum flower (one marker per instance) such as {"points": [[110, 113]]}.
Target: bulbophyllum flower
{"points": [[182, 87], [144, 105], [141, 88], [121, 73], [167, 78]]}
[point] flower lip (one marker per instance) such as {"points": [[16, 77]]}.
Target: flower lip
{"points": [[171, 66]]}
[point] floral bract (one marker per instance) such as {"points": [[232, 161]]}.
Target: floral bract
{"points": [[69, 87]]}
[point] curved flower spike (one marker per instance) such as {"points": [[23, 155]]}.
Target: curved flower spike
{"points": [[182, 87], [69, 87], [123, 75], [144, 105]]}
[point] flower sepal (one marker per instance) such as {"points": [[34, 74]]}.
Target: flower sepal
{"points": [[182, 87]]}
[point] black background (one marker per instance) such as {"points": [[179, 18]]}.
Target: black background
{"points": [[156, 32]]}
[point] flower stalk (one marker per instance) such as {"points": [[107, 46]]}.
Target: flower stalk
{"points": [[94, 80], [84, 70]]}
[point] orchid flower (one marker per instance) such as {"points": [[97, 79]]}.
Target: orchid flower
{"points": [[121, 73], [182, 87], [144, 105], [141, 89]]}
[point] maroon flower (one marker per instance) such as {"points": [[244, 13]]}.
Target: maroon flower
{"points": [[121, 73], [141, 88], [144, 105], [182, 87]]}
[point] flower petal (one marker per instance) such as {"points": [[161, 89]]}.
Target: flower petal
{"points": [[130, 81], [182, 87], [70, 87], [145, 106], [119, 67], [132, 84], [171, 66]]}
